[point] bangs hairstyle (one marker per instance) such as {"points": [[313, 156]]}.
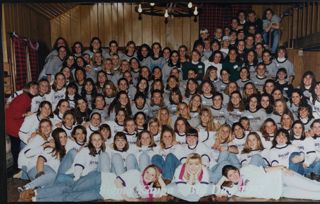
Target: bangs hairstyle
{"points": [[92, 149], [120, 135]]}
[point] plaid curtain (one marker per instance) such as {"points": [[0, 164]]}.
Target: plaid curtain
{"points": [[33, 57], [20, 61], [219, 15]]}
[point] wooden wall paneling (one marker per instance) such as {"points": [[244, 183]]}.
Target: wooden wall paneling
{"points": [[127, 20], [65, 26], [100, 23], [304, 20], [298, 64], [114, 23], [85, 25], [295, 23], [136, 26], [55, 29], [194, 31], [178, 32], [156, 33], [94, 28], [121, 24], [147, 29], [107, 22], [162, 31], [299, 34], [170, 33], [314, 18], [186, 31], [289, 36], [309, 22], [311, 61], [75, 24], [318, 17]]}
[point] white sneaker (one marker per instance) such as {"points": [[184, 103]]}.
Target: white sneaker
{"points": [[34, 199], [18, 175]]}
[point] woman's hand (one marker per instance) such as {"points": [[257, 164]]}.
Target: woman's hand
{"points": [[297, 159]]}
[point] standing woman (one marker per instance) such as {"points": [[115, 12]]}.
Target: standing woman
{"points": [[130, 51], [120, 101], [77, 49], [95, 46], [101, 81], [110, 92], [157, 59], [282, 60], [194, 64], [143, 55], [174, 61], [58, 90]]}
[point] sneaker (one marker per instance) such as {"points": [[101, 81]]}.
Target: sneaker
{"points": [[21, 189], [18, 175]]}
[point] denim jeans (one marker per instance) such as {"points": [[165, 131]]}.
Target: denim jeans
{"points": [[167, 165], [43, 180], [120, 165], [257, 160], [104, 162], [275, 37], [297, 167], [66, 164], [144, 161]]}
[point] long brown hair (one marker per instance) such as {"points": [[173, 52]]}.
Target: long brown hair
{"points": [[247, 149], [92, 149]]}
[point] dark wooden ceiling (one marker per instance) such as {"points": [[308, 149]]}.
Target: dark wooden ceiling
{"points": [[51, 10]]}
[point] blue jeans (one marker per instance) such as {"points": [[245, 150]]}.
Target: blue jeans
{"points": [[87, 188], [313, 168], [120, 165], [104, 162], [43, 180], [257, 160], [66, 164], [167, 165], [275, 37], [297, 167]]}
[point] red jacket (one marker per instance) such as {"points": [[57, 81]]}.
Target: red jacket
{"points": [[14, 113]]}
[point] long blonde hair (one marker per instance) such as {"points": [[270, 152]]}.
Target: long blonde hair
{"points": [[191, 156], [219, 134], [211, 126]]}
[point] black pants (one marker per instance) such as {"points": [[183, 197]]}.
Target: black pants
{"points": [[15, 149]]}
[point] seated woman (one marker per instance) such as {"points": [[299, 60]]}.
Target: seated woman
{"points": [[269, 183], [191, 180], [128, 186], [44, 172]]}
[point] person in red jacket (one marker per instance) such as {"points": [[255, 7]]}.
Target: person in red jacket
{"points": [[14, 117]]}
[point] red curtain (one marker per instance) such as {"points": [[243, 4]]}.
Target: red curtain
{"points": [[219, 15], [33, 57], [20, 53], [20, 61]]}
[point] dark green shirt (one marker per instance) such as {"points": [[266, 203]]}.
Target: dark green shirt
{"points": [[233, 68], [199, 67]]}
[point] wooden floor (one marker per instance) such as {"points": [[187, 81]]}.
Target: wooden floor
{"points": [[13, 195]]}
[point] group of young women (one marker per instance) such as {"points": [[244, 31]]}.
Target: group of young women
{"points": [[152, 121]]}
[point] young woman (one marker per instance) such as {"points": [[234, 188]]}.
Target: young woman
{"points": [[181, 127], [93, 124], [305, 116], [141, 121], [251, 62], [62, 107], [144, 149], [31, 123], [248, 90], [219, 113], [268, 131], [29, 154], [130, 51], [140, 104], [156, 56], [280, 107], [175, 98], [164, 157], [307, 84], [58, 90], [196, 64], [223, 82], [215, 60], [142, 87], [307, 146], [244, 77], [101, 81], [296, 100], [72, 94], [316, 101], [89, 91], [191, 180], [47, 163], [239, 135], [231, 87], [109, 92], [282, 84], [78, 138], [253, 152], [268, 183], [207, 126], [82, 111], [129, 186], [206, 93], [121, 101], [68, 122], [121, 154], [235, 108], [130, 129], [191, 89], [155, 129], [284, 153], [99, 105], [211, 75], [286, 121], [282, 61], [255, 114], [266, 102], [80, 77], [174, 61], [195, 105]]}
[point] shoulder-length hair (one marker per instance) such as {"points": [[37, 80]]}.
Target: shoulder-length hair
{"points": [[219, 137], [230, 107], [247, 149], [92, 149], [281, 131], [138, 142], [59, 150], [167, 128], [120, 135]]}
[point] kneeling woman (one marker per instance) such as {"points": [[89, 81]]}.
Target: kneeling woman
{"points": [[269, 183], [129, 186], [191, 180]]}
